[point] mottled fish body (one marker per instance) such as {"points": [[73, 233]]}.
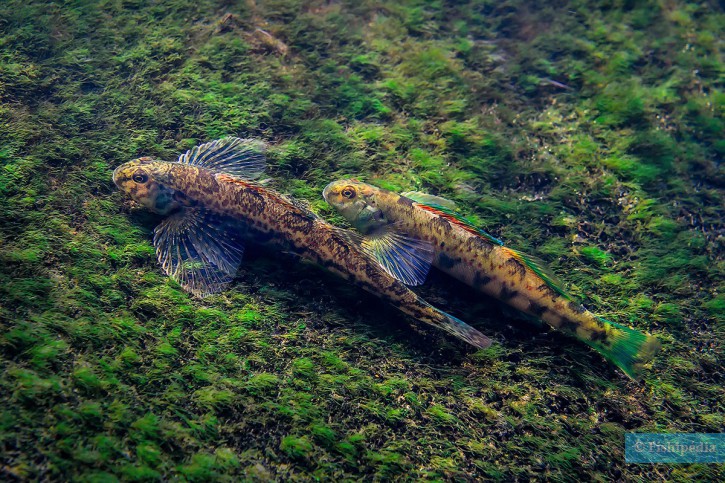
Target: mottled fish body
{"points": [[482, 261], [197, 245]]}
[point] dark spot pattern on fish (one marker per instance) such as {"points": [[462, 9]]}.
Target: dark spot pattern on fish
{"points": [[537, 309], [297, 221], [482, 245], [507, 294], [598, 336], [447, 262], [480, 281], [407, 202], [577, 308], [547, 291], [516, 267], [568, 325]]}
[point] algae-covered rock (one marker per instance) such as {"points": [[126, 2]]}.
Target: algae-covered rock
{"points": [[587, 133]]}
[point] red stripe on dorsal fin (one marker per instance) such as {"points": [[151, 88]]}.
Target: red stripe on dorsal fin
{"points": [[533, 263], [453, 219], [459, 220]]}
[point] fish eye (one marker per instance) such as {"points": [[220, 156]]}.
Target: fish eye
{"points": [[140, 177], [348, 192]]}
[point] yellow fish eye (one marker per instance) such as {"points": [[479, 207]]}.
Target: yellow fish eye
{"points": [[140, 177], [348, 192]]}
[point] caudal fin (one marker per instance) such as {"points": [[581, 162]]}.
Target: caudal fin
{"points": [[628, 349], [460, 329]]}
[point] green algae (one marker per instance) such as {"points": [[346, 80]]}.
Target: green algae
{"points": [[587, 132]]}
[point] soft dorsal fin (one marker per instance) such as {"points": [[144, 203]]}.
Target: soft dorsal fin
{"points": [[539, 268], [535, 264], [242, 158], [198, 249], [406, 258], [430, 200]]}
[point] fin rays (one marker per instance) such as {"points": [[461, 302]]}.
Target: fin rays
{"points": [[430, 200], [195, 249], [629, 349], [242, 158], [405, 258]]}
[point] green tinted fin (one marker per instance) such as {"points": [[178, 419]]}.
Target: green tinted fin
{"points": [[199, 250], [627, 348], [431, 200], [540, 269], [535, 264], [241, 158], [406, 258]]}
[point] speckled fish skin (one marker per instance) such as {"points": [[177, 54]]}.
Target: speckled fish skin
{"points": [[274, 216], [485, 265]]}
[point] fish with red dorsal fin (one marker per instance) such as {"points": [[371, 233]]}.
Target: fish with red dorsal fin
{"points": [[480, 260]]}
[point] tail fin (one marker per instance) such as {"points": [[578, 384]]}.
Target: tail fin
{"points": [[460, 329], [628, 349]]}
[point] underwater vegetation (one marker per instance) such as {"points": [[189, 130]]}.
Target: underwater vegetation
{"points": [[586, 133]]}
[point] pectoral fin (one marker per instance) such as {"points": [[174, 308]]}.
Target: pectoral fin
{"points": [[199, 250], [405, 258]]}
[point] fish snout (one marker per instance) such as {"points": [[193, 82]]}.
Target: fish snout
{"points": [[116, 175], [326, 191]]}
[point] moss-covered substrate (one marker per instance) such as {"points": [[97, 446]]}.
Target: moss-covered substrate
{"points": [[589, 133]]}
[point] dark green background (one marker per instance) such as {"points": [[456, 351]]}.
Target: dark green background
{"points": [[588, 133]]}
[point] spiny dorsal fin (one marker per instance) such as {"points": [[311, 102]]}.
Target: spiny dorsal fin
{"points": [[458, 219], [242, 158], [430, 200], [406, 258], [198, 249]]}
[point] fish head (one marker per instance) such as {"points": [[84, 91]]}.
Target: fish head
{"points": [[142, 179], [356, 201]]}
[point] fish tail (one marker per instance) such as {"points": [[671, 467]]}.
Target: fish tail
{"points": [[627, 348], [458, 328]]}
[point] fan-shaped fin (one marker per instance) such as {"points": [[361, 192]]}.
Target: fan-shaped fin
{"points": [[199, 250], [242, 158], [406, 258]]}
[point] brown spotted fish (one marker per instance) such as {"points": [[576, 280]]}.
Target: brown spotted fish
{"points": [[213, 205], [480, 260]]}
